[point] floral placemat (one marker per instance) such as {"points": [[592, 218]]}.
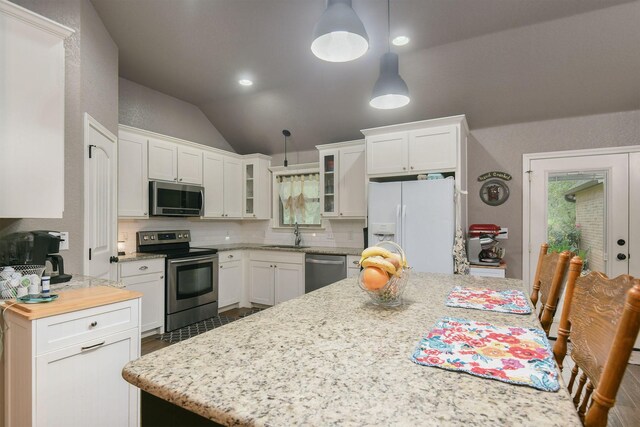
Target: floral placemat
{"points": [[510, 301], [509, 354]]}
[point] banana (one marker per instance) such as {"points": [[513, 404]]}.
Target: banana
{"points": [[375, 251], [380, 263]]}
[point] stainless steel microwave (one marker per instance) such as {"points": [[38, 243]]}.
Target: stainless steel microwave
{"points": [[170, 199]]}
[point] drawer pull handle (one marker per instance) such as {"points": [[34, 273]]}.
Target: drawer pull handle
{"points": [[92, 346], [94, 324], [144, 267], [356, 262], [229, 256]]}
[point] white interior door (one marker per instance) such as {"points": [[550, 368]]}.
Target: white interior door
{"points": [[100, 195]]}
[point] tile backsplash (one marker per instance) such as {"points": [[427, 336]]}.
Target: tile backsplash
{"points": [[337, 233]]}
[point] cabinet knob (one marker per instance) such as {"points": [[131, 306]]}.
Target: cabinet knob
{"points": [[229, 256], [356, 262], [275, 266], [411, 167], [621, 257], [93, 324], [220, 266], [144, 267], [254, 215], [175, 179], [340, 213], [404, 168], [162, 277], [146, 213], [181, 178]]}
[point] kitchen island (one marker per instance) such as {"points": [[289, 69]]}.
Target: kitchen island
{"points": [[330, 357]]}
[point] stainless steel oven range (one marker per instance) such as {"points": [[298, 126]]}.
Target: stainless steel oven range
{"points": [[191, 276]]}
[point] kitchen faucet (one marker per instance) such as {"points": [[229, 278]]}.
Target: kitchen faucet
{"points": [[296, 232]]}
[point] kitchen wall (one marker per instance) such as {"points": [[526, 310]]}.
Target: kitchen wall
{"points": [[91, 85], [501, 148], [148, 109], [337, 233]]}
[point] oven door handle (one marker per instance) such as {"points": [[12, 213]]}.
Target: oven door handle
{"points": [[182, 261]]}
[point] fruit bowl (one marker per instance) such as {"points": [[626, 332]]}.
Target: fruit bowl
{"points": [[389, 293]]}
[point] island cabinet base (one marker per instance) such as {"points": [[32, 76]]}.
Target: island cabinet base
{"points": [[156, 412]]}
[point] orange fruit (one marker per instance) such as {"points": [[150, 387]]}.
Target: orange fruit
{"points": [[374, 278]]}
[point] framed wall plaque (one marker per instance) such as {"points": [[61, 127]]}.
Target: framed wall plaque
{"points": [[494, 192]]}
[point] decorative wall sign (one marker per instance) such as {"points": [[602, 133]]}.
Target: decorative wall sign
{"points": [[494, 192], [495, 174]]}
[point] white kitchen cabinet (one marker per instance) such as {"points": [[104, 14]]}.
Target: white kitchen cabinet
{"points": [[147, 277], [163, 160], [133, 186], [353, 265], [189, 165], [66, 369], [222, 185], [230, 279], [343, 179], [31, 114], [173, 162], [261, 282], [257, 187], [289, 281], [388, 153], [437, 145], [275, 276]]}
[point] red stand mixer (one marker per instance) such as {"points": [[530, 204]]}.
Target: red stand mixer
{"points": [[482, 245]]}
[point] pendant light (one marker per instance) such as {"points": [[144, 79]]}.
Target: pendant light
{"points": [[286, 134], [390, 91], [339, 35]]}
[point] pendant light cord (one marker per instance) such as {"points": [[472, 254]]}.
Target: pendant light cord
{"points": [[388, 25]]}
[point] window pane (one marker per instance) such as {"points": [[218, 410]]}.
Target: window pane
{"points": [[299, 200]]}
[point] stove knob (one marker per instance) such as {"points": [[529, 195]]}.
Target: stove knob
{"points": [[145, 237], [153, 237], [186, 235], [179, 236]]}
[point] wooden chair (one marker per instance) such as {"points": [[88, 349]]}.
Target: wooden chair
{"points": [[548, 283], [602, 317]]}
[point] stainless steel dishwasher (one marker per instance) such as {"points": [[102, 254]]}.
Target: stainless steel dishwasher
{"points": [[323, 270]]}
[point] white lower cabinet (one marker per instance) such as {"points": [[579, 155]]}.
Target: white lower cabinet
{"points": [[66, 370], [146, 277], [230, 279], [275, 277]]}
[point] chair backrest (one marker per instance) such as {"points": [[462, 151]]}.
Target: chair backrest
{"points": [[602, 317], [548, 283]]}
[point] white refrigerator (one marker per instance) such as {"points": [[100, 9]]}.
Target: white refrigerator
{"points": [[419, 216]]}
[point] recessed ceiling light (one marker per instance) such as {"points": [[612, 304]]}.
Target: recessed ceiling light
{"points": [[400, 40], [245, 82]]}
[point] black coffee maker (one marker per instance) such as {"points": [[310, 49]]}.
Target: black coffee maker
{"points": [[34, 248]]}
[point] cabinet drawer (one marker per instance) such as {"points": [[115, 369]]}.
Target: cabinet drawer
{"points": [[76, 327], [135, 268], [226, 256]]}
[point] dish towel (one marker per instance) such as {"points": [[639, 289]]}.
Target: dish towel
{"points": [[509, 354], [510, 301]]}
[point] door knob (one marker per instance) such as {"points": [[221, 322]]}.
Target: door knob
{"points": [[621, 257], [621, 242], [113, 259]]}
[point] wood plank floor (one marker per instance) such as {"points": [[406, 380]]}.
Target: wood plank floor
{"points": [[626, 412]]}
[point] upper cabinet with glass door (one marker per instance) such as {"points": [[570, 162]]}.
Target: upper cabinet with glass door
{"points": [[343, 179], [256, 202]]}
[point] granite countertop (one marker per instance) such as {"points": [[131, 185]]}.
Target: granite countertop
{"points": [[139, 256], [284, 248], [79, 281], [330, 357]]}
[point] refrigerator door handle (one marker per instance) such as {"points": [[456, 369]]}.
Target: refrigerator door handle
{"points": [[404, 215], [398, 237]]}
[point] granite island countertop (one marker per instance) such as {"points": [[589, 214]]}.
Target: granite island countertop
{"points": [[330, 357]]}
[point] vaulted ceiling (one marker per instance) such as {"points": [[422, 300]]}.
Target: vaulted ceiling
{"points": [[498, 61]]}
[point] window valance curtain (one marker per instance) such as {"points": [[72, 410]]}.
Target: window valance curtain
{"points": [[300, 199]]}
